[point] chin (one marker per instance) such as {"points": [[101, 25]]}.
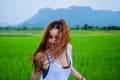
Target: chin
{"points": [[52, 47]]}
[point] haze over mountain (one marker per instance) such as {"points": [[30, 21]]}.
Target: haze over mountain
{"points": [[3, 24], [74, 16]]}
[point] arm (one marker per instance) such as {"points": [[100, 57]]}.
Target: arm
{"points": [[75, 73], [35, 75], [37, 70]]}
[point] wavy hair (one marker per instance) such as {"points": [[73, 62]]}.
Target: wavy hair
{"points": [[41, 52]]}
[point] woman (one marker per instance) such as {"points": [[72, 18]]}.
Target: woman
{"points": [[52, 59]]}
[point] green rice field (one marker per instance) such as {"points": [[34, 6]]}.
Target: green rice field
{"points": [[96, 54]]}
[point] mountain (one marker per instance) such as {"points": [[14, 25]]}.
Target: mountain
{"points": [[75, 15]]}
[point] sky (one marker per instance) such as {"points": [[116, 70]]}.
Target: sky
{"points": [[17, 11]]}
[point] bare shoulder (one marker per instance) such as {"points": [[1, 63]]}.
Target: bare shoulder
{"points": [[38, 55], [69, 48]]}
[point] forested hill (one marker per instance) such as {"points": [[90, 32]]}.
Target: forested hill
{"points": [[74, 16]]}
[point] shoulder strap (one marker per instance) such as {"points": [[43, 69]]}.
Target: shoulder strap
{"points": [[69, 55]]}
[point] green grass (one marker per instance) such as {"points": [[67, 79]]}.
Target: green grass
{"points": [[95, 54]]}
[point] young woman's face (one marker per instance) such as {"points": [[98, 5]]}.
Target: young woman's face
{"points": [[53, 38]]}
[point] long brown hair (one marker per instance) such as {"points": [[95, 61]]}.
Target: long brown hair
{"points": [[63, 28]]}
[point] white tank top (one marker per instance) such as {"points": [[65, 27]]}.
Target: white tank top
{"points": [[56, 71]]}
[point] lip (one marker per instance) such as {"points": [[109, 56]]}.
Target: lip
{"points": [[52, 46]]}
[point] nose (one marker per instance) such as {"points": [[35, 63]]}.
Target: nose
{"points": [[53, 41]]}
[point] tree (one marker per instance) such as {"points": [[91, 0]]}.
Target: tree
{"points": [[86, 27], [77, 27], [25, 28]]}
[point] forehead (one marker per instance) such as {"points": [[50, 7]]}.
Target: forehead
{"points": [[54, 32]]}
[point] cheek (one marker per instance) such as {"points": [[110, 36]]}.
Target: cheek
{"points": [[58, 41], [49, 40]]}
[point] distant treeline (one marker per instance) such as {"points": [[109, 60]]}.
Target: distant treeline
{"points": [[77, 27], [89, 27]]}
